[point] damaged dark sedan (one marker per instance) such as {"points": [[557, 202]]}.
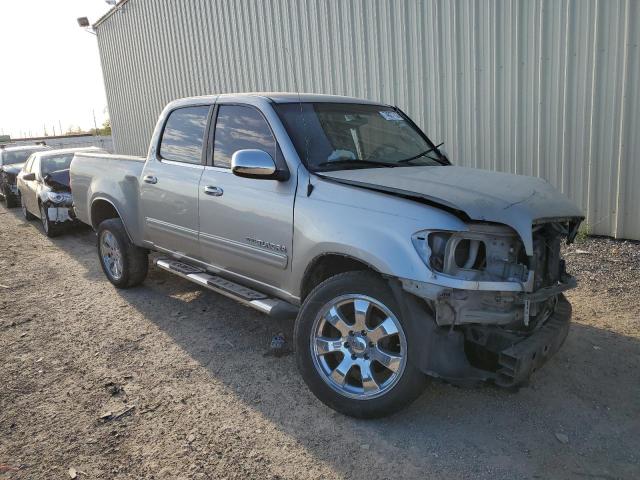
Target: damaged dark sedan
{"points": [[44, 188], [12, 159]]}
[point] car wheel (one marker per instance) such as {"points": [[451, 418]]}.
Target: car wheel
{"points": [[25, 212], [47, 227], [9, 198], [124, 263], [352, 347]]}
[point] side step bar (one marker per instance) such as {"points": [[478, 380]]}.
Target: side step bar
{"points": [[271, 306]]}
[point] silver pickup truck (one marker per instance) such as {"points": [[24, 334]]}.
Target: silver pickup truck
{"points": [[342, 213]]}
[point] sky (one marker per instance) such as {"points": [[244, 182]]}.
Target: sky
{"points": [[50, 70]]}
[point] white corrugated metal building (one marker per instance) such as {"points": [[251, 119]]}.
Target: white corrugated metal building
{"points": [[547, 88]]}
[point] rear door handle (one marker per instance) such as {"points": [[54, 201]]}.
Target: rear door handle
{"points": [[150, 179], [213, 191]]}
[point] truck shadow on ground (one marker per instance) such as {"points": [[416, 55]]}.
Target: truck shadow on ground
{"points": [[587, 392]]}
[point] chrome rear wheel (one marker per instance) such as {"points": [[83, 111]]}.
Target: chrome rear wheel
{"points": [[124, 264], [110, 254]]}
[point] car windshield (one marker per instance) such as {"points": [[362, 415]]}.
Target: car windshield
{"points": [[15, 156], [341, 136], [54, 163]]}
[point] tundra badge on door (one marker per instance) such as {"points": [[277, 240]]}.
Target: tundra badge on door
{"points": [[270, 245]]}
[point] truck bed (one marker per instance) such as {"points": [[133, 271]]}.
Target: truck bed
{"points": [[114, 178]]}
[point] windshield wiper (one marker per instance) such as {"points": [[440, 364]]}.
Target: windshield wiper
{"points": [[356, 163], [415, 157]]}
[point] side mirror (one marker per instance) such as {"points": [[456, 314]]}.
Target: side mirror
{"points": [[28, 177], [256, 164]]}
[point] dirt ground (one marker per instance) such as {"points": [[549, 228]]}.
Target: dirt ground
{"points": [[167, 381]]}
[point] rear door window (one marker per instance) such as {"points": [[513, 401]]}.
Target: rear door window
{"points": [[183, 135], [240, 127]]}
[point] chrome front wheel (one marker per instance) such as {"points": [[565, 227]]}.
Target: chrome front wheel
{"points": [[358, 346], [353, 348]]}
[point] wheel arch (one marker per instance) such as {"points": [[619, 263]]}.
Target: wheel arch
{"points": [[103, 209], [327, 265]]}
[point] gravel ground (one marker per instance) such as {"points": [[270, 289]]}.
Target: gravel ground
{"points": [[167, 381]]}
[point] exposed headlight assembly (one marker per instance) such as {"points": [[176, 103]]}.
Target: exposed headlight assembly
{"points": [[56, 197], [483, 253]]}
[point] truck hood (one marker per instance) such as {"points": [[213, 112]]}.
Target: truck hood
{"points": [[13, 168], [482, 195]]}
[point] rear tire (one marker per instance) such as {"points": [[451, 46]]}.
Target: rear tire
{"points": [[27, 215], [125, 264], [371, 353]]}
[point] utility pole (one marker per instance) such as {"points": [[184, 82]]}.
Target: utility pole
{"points": [[60, 125], [54, 129], [95, 125]]}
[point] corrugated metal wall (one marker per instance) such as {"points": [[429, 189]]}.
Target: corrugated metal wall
{"points": [[547, 88]]}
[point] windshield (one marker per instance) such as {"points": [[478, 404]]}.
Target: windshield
{"points": [[52, 163], [340, 136], [16, 156]]}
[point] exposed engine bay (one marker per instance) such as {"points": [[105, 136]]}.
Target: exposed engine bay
{"points": [[499, 283]]}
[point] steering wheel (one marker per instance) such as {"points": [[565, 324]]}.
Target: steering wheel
{"points": [[384, 150]]}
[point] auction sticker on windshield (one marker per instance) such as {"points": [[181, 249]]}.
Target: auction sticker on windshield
{"points": [[389, 115]]}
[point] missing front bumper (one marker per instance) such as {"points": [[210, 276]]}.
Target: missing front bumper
{"points": [[472, 354], [61, 215], [519, 361]]}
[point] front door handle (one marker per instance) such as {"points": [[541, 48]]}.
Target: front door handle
{"points": [[213, 191], [150, 179]]}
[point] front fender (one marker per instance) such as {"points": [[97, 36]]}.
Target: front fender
{"points": [[372, 227]]}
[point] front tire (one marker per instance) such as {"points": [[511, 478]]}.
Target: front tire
{"points": [[27, 215], [352, 347], [125, 264], [9, 197], [48, 228]]}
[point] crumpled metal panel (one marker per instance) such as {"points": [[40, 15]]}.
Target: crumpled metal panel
{"points": [[546, 88], [514, 200]]}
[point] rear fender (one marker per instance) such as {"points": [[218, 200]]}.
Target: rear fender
{"points": [[129, 218]]}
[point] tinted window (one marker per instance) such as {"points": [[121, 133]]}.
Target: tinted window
{"points": [[240, 128], [183, 135]]}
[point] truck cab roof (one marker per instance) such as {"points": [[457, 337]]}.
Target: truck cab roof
{"points": [[275, 97]]}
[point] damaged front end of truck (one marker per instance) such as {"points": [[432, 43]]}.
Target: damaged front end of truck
{"points": [[494, 288], [499, 312]]}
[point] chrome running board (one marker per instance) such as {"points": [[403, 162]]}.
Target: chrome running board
{"points": [[271, 306]]}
